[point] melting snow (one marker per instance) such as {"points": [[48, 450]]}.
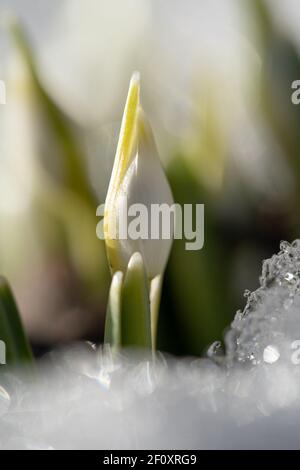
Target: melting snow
{"points": [[248, 398]]}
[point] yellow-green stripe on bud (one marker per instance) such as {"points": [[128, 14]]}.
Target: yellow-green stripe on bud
{"points": [[138, 177]]}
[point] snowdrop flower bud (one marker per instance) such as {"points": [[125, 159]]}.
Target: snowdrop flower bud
{"points": [[137, 183]]}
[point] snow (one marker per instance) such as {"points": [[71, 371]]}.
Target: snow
{"points": [[88, 398]]}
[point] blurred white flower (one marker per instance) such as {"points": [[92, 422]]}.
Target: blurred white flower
{"points": [[86, 56], [94, 44]]}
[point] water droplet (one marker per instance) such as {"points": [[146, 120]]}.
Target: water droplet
{"points": [[92, 345], [215, 352], [251, 357], [271, 354], [289, 277]]}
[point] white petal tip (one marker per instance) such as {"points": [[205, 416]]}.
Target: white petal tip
{"points": [[117, 277], [135, 261], [135, 78]]}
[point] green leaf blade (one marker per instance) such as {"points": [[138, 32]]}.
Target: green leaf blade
{"points": [[136, 323], [18, 350], [112, 334]]}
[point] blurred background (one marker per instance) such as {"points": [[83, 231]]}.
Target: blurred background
{"points": [[216, 84]]}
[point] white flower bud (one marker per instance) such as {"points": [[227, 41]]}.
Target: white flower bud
{"points": [[137, 178]]}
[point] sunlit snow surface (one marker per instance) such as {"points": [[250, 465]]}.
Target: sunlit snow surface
{"points": [[250, 398], [269, 327]]}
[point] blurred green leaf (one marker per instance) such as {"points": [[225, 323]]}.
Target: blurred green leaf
{"points": [[64, 208], [18, 350], [72, 173], [281, 66], [196, 285]]}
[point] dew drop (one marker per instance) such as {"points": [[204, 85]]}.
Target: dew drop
{"points": [[271, 354], [215, 352], [289, 277]]}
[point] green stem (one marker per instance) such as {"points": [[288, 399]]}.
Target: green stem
{"points": [[135, 320], [155, 295], [112, 333]]}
